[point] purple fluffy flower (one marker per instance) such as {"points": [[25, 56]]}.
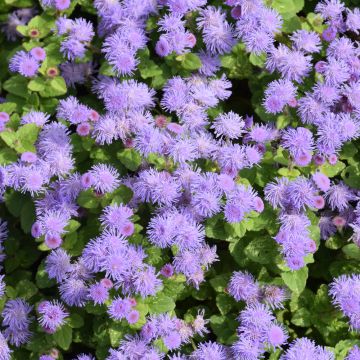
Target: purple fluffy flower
{"points": [[243, 287], [336, 72], [354, 353], [105, 178], [330, 9], [72, 49], [73, 292], [345, 293], [274, 296], [210, 64], [353, 20], [98, 293], [5, 352], [278, 94], [16, 314], [305, 348], [119, 308], [57, 264], [210, 350], [229, 125], [146, 282], [298, 141], [52, 315], [308, 41], [338, 196], [218, 34], [24, 63]]}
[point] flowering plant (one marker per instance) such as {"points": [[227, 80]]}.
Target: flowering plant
{"points": [[179, 179]]}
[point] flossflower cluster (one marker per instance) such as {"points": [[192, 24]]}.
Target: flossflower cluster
{"points": [[131, 174]]}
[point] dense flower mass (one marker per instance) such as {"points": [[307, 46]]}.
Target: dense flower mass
{"points": [[179, 180]]}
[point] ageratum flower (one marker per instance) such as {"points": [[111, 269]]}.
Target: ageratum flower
{"points": [[278, 94], [105, 178], [145, 281], [15, 18], [339, 196], [218, 34], [52, 315], [210, 350], [305, 348], [243, 287], [84, 357], [16, 314], [299, 142], [229, 125], [307, 41], [353, 20], [354, 353], [330, 9], [73, 292], [5, 352], [344, 291], [24, 63]]}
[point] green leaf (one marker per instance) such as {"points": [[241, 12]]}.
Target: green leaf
{"points": [[9, 137], [257, 60], [174, 286], [22, 29], [16, 85], [237, 63], [291, 24], [160, 304], [288, 8], [296, 280], [7, 156], [76, 321], [143, 310], [106, 69], [19, 3], [42, 278], [302, 318], [122, 195], [63, 337], [235, 229], [149, 69], [26, 289], [315, 233], [130, 158], [343, 347], [27, 216], [72, 226], [8, 107], [352, 251], [343, 267], [332, 170], [289, 173], [224, 327], [14, 202], [26, 137], [351, 176], [54, 87], [224, 303], [190, 61], [348, 151], [43, 23], [117, 331], [214, 228], [220, 282], [262, 249], [37, 84], [88, 200]]}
